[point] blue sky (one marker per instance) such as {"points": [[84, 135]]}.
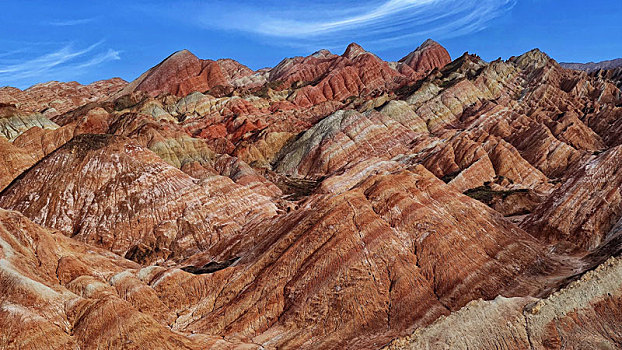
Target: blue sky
{"points": [[91, 40]]}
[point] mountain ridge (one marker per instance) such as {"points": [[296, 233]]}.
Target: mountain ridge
{"points": [[593, 66], [332, 201]]}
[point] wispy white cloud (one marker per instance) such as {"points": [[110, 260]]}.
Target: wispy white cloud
{"points": [[110, 55], [64, 63], [387, 22], [71, 22], [11, 53]]}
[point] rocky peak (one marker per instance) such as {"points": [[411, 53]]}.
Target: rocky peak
{"points": [[429, 43], [323, 53], [180, 74], [180, 53], [354, 50], [533, 59], [179, 60], [427, 56]]}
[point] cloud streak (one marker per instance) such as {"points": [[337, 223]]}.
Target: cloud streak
{"points": [[385, 23], [71, 22], [66, 62]]}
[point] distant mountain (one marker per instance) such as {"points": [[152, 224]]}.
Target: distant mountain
{"points": [[593, 66]]}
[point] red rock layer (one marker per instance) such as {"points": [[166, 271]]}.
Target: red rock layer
{"points": [[580, 213], [183, 73], [58, 293], [54, 98], [384, 245], [356, 73], [427, 57], [109, 191], [13, 162]]}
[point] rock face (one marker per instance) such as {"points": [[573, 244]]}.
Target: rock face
{"points": [[395, 264], [614, 75], [333, 201], [14, 122], [14, 161], [26, 137], [58, 293], [585, 208]]}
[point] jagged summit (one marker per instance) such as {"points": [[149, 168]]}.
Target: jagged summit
{"points": [[534, 58], [354, 50]]}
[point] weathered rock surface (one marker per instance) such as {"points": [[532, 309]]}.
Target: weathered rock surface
{"points": [[13, 162], [111, 192], [584, 315], [58, 293], [13, 122], [339, 252], [427, 57], [585, 208], [614, 75]]}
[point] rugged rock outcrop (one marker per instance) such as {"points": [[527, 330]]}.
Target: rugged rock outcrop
{"points": [[614, 75], [382, 245], [13, 122], [58, 293], [357, 73]]}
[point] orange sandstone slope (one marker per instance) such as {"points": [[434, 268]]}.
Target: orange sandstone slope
{"points": [[333, 201]]}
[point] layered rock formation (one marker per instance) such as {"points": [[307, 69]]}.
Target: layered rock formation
{"points": [[585, 314], [427, 57], [59, 293], [614, 75], [13, 122], [396, 265], [585, 208], [333, 201], [183, 73], [109, 191], [55, 98]]}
